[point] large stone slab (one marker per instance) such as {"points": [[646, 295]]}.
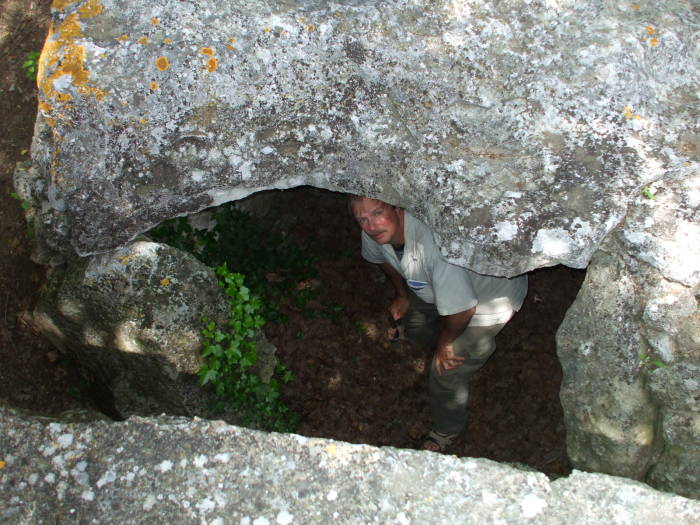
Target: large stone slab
{"points": [[170, 470], [518, 130]]}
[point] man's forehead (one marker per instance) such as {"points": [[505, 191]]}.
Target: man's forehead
{"points": [[365, 203]]}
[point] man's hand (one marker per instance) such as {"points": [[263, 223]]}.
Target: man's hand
{"points": [[398, 307], [445, 359], [452, 327]]}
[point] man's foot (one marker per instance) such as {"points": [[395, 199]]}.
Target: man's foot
{"points": [[438, 442]]}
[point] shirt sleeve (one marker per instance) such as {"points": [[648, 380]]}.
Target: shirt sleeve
{"points": [[452, 287], [371, 251]]}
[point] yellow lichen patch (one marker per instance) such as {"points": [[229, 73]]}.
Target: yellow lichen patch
{"points": [[212, 64], [91, 8], [144, 40], [44, 107], [2, 464], [230, 47], [650, 30], [635, 6], [267, 29], [162, 63], [96, 92], [63, 97], [50, 122], [311, 28], [60, 5], [154, 86], [126, 259], [165, 282], [143, 120], [231, 40], [209, 51], [628, 112], [155, 21], [653, 42], [167, 41], [687, 164], [123, 38]]}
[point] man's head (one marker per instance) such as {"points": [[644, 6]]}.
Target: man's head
{"points": [[381, 221]]}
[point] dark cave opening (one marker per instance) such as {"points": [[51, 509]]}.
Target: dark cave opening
{"points": [[354, 385]]}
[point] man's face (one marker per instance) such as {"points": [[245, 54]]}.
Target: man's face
{"points": [[382, 222]]}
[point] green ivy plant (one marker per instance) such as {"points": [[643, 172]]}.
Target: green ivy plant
{"points": [[30, 219], [646, 361], [31, 64], [230, 353], [647, 193]]}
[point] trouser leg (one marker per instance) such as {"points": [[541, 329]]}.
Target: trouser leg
{"points": [[449, 392], [422, 322]]}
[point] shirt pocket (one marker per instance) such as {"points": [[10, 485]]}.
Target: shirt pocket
{"points": [[416, 285]]}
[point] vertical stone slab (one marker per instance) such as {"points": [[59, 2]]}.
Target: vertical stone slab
{"points": [[609, 418]]}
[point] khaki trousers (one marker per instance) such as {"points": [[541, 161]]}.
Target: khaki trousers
{"points": [[449, 392]]}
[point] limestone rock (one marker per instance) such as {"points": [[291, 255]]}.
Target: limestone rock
{"points": [[175, 470], [131, 319], [519, 130]]}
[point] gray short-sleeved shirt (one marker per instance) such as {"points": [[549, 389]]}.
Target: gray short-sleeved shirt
{"points": [[449, 287]]}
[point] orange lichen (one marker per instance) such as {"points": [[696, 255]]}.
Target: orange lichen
{"points": [[154, 86], [123, 38], [91, 8], [144, 40], [69, 58], [653, 42], [212, 64], [230, 47], [60, 5], [650, 30], [207, 51], [165, 282], [231, 40], [267, 30], [162, 63], [155, 21], [167, 40]]}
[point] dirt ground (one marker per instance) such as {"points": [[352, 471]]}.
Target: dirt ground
{"points": [[351, 383]]}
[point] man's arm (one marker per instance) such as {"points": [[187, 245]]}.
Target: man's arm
{"points": [[399, 305], [452, 327]]}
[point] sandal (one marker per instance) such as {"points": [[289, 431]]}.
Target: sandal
{"points": [[438, 442]]}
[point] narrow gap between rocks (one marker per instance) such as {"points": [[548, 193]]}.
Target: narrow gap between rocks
{"points": [[351, 384]]}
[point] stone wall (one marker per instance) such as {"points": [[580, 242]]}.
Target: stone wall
{"points": [[170, 470]]}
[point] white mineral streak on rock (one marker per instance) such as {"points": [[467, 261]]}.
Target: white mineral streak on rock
{"points": [[532, 505], [506, 231], [164, 466], [553, 243], [65, 440], [284, 518]]}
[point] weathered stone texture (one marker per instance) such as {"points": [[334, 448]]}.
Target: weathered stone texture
{"points": [[630, 347], [170, 470], [131, 320], [518, 130], [521, 131]]}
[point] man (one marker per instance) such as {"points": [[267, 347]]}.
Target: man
{"points": [[454, 310]]}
